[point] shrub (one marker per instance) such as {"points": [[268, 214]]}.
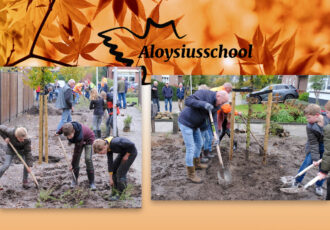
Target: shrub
{"points": [[301, 119], [304, 96], [282, 116]]}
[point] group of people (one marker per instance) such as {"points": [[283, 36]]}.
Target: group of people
{"points": [[83, 138], [167, 92]]}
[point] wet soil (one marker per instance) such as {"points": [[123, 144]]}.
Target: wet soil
{"points": [[54, 178], [251, 179]]}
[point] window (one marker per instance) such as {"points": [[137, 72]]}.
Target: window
{"points": [[165, 78]]}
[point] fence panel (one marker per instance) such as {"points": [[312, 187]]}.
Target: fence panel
{"points": [[5, 105], [13, 94], [15, 97]]}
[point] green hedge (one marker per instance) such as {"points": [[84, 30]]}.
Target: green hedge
{"points": [[160, 94], [304, 96]]}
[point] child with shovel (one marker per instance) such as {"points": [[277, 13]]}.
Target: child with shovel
{"points": [[119, 167], [83, 138], [325, 165], [314, 146], [18, 138]]}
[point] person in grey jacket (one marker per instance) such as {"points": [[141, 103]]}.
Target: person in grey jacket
{"points": [[315, 145], [18, 138], [65, 102]]}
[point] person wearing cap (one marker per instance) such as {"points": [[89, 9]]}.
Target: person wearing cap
{"points": [[192, 117], [224, 114]]}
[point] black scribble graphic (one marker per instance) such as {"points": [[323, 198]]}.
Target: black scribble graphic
{"points": [[119, 55]]}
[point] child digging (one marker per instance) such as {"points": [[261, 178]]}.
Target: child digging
{"points": [[18, 138], [314, 145], [98, 104], [119, 167], [325, 165], [83, 138]]}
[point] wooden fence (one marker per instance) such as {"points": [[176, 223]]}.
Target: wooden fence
{"points": [[15, 97]]}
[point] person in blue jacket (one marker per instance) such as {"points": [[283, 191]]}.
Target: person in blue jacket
{"points": [[192, 117], [168, 94], [180, 95]]}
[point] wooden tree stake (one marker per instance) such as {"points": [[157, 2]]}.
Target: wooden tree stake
{"points": [[232, 126], [46, 127], [269, 110], [41, 135]]}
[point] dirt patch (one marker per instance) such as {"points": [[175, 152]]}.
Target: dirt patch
{"points": [[52, 110], [251, 179]]}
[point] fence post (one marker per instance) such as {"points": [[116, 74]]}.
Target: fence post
{"points": [[9, 95], [46, 127], [40, 126]]}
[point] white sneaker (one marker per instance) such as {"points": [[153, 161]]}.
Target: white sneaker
{"points": [[319, 191]]}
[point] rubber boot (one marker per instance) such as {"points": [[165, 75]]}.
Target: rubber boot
{"points": [[235, 146], [98, 133], [207, 154], [198, 165], [192, 175], [26, 184], [90, 175], [74, 182]]}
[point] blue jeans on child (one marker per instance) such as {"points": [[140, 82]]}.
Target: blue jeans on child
{"points": [[168, 100], [307, 162], [193, 141], [207, 139]]}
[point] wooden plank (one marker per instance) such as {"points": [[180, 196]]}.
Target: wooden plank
{"points": [[41, 135], [5, 104], [13, 94]]}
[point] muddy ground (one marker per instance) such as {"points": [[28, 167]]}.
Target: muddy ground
{"points": [[251, 180], [54, 177]]}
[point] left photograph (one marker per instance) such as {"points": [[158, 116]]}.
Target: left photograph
{"points": [[70, 137]]}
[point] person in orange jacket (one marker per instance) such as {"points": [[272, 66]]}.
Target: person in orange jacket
{"points": [[224, 114], [77, 90]]}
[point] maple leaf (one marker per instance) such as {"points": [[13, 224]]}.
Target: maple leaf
{"points": [[75, 44]]}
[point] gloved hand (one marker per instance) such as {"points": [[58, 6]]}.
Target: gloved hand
{"points": [[208, 106]]}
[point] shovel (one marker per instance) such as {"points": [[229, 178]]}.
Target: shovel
{"points": [[290, 179], [67, 160], [224, 174], [299, 190], [25, 165]]}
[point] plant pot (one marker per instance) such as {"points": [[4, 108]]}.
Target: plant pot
{"points": [[127, 129]]}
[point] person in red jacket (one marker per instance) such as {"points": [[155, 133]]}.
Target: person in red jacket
{"points": [[83, 138]]}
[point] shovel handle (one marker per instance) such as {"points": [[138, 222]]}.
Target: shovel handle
{"points": [[216, 137], [66, 158], [25, 165], [306, 169], [311, 182]]}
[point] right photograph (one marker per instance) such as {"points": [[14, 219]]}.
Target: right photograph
{"points": [[240, 137]]}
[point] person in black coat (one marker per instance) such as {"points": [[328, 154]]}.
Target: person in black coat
{"points": [[98, 105], [192, 117], [154, 94]]}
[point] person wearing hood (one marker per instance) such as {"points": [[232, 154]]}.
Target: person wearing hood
{"points": [[82, 137]]}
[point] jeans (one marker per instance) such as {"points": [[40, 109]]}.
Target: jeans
{"points": [[88, 159], [122, 96], [168, 100], [180, 102], [50, 97], [193, 141], [156, 101], [109, 126], [66, 117], [37, 96], [76, 98], [307, 162], [97, 120], [5, 166], [207, 139], [209, 147]]}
